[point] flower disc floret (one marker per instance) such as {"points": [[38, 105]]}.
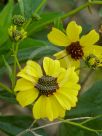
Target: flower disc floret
{"points": [[75, 50], [47, 85]]}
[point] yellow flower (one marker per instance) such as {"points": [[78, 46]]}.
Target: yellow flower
{"points": [[76, 48], [52, 89]]}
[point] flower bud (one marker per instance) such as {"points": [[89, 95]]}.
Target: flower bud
{"points": [[92, 61], [17, 35], [18, 20]]}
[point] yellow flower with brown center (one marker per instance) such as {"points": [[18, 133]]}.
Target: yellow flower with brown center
{"points": [[52, 89], [76, 47]]}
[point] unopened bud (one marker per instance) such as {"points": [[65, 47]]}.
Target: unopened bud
{"points": [[92, 61], [18, 20], [17, 35]]}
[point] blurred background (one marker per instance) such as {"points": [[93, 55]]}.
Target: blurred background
{"points": [[89, 18]]}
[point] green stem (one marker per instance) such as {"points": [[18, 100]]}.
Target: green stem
{"points": [[35, 12], [69, 121], [90, 119], [81, 126], [27, 24], [89, 3], [16, 63], [99, 2], [72, 12], [39, 7], [5, 87], [14, 67], [33, 123], [15, 54]]}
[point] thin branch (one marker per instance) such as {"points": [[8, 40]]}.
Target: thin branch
{"points": [[87, 4], [59, 122], [51, 124], [90, 119], [35, 12]]}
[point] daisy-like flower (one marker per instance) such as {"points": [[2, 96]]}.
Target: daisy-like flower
{"points": [[51, 89], [76, 47]]}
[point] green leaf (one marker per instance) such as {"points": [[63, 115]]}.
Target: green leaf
{"points": [[6, 96], [46, 19], [29, 42], [34, 53], [90, 103], [9, 70], [68, 130], [12, 125], [31, 6], [5, 20], [6, 14], [58, 24], [9, 129], [21, 5], [28, 49], [93, 124]]}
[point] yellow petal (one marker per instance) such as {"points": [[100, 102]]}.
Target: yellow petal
{"points": [[97, 50], [71, 88], [61, 75], [57, 109], [73, 31], [91, 38], [24, 75], [23, 85], [87, 50], [66, 98], [51, 66], [67, 62], [67, 76], [71, 99], [33, 69], [27, 97], [57, 37], [47, 107], [63, 101], [60, 54], [72, 75]]}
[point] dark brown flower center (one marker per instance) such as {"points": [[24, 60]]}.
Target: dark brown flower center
{"points": [[47, 85], [75, 50]]}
